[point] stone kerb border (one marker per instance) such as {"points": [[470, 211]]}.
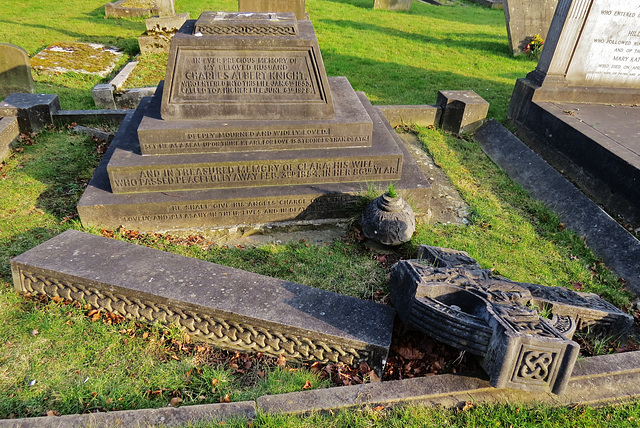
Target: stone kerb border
{"points": [[599, 380], [112, 95]]}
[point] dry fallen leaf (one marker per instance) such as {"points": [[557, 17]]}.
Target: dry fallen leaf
{"points": [[307, 385], [175, 402], [282, 360], [410, 353], [225, 399]]}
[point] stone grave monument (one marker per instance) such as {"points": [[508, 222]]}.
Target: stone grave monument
{"points": [[246, 129], [447, 295], [15, 71], [161, 28], [527, 18], [578, 108], [392, 4], [295, 6]]}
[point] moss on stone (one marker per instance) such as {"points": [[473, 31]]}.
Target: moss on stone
{"points": [[87, 58], [139, 4]]}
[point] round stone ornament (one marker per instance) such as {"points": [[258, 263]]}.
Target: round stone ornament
{"points": [[388, 220]]}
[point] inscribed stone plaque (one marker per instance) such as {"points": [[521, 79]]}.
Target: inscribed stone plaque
{"points": [[351, 127], [15, 72], [608, 51], [168, 176], [592, 53], [246, 66]]}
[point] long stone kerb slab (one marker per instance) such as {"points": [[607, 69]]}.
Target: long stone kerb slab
{"points": [[228, 307]]}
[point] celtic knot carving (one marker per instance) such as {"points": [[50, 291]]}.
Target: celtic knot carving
{"points": [[222, 333], [535, 365], [246, 30]]}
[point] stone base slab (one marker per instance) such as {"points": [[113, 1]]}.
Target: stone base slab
{"points": [[117, 10], [163, 416], [420, 115], [608, 239], [594, 381], [131, 172], [199, 210], [351, 127], [33, 111], [227, 307]]}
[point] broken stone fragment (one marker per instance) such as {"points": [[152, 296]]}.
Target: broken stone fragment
{"points": [[447, 295]]}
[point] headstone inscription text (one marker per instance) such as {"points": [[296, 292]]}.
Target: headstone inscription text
{"points": [[224, 75], [195, 142], [256, 209], [609, 46], [252, 174]]}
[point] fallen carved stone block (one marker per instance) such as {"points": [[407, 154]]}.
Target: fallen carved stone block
{"points": [[227, 307], [447, 295]]}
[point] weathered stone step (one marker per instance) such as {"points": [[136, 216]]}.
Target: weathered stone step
{"points": [[351, 127], [130, 172], [228, 307], [212, 208]]}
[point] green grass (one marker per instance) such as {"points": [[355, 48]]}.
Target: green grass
{"points": [[503, 416], [395, 58], [81, 364]]}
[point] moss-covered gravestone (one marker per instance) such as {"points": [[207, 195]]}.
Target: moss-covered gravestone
{"points": [[392, 4]]}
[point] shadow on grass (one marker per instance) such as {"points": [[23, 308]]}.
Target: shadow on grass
{"points": [[64, 164], [393, 83], [485, 42], [128, 45]]}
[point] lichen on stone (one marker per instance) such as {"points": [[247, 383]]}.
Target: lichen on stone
{"points": [[86, 58]]}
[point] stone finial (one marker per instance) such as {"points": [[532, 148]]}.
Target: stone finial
{"points": [[388, 220]]}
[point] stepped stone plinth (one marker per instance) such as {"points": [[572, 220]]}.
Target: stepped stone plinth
{"points": [[246, 129]]}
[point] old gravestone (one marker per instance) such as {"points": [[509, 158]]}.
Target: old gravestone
{"points": [[295, 6], [161, 28], [392, 4], [577, 106], [15, 71], [525, 19], [246, 129]]}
